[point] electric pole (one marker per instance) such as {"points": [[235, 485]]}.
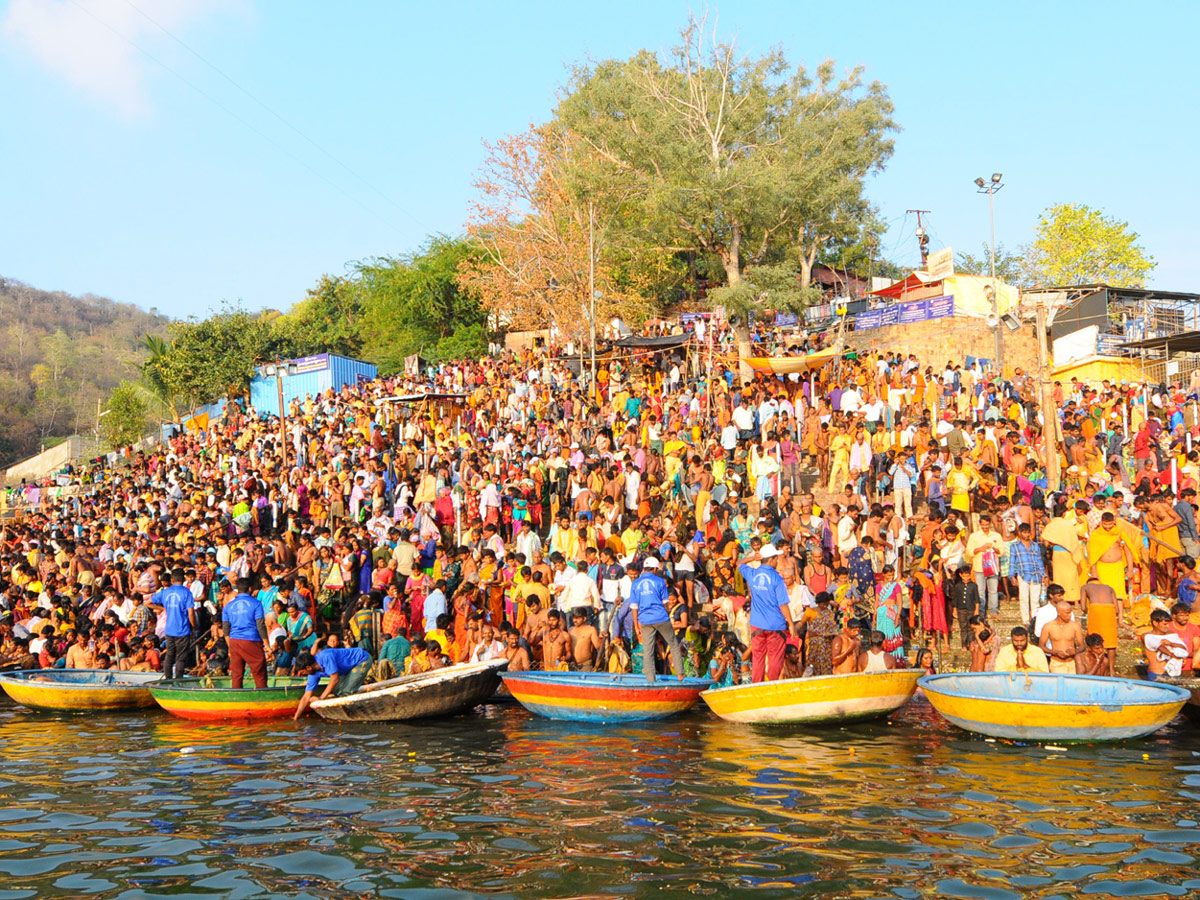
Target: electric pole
{"points": [[922, 237]]}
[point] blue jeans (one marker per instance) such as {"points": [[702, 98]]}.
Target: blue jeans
{"points": [[989, 592]]}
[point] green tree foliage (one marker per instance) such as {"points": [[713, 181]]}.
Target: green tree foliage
{"points": [[152, 380], [328, 320], [1076, 244], [215, 357], [59, 355], [1010, 267], [731, 156], [125, 416], [412, 303]]}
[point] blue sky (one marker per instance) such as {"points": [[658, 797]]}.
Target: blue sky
{"points": [[141, 170]]}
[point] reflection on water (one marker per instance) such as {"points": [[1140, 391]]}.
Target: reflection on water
{"points": [[497, 803]]}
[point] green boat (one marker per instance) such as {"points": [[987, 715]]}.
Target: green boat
{"points": [[214, 699]]}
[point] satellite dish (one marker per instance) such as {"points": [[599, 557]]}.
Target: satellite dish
{"points": [[993, 320]]}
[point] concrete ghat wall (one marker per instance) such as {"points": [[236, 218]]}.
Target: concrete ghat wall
{"points": [[47, 461], [936, 341]]}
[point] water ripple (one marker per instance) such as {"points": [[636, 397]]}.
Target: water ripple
{"points": [[499, 804]]}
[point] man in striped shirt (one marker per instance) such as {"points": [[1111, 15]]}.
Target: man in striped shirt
{"points": [[1029, 569]]}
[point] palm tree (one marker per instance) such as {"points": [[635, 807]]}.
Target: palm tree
{"points": [[152, 373]]}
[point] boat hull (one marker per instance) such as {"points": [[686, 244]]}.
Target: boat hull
{"points": [[602, 698], [1043, 707], [442, 692], [1191, 709], [188, 698], [79, 690], [821, 700]]}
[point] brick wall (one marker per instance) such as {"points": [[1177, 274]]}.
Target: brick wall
{"points": [[936, 341]]}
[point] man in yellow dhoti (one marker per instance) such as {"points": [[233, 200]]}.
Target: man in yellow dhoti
{"points": [[1062, 535], [1109, 557], [1110, 561]]}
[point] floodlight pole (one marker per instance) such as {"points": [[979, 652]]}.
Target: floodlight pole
{"points": [[990, 189]]}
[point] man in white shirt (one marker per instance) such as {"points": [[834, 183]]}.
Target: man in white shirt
{"points": [[527, 541], [729, 436], [743, 418], [580, 590]]}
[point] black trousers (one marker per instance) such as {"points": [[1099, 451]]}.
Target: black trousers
{"points": [[175, 656], [964, 614]]}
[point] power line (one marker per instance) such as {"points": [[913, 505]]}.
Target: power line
{"points": [[362, 180], [215, 102]]}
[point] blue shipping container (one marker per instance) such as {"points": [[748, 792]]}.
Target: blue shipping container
{"points": [[314, 375]]}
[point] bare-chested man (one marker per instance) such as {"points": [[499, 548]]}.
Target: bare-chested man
{"points": [[585, 641], [535, 625], [1063, 639], [518, 659], [846, 647], [556, 644], [1104, 610], [1094, 660]]}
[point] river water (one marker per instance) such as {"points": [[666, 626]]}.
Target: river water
{"points": [[497, 803]]}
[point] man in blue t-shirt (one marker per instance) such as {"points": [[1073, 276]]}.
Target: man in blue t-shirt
{"points": [[246, 635], [346, 668], [770, 615], [648, 599], [179, 606]]}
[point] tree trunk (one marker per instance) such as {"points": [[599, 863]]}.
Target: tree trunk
{"points": [[731, 260]]}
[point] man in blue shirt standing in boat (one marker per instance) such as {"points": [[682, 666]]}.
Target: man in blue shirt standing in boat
{"points": [[770, 615], [246, 634], [648, 599], [179, 606], [346, 668]]}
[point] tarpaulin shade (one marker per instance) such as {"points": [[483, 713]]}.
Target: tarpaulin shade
{"points": [[664, 342], [790, 365]]}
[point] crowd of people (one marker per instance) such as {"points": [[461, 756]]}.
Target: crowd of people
{"points": [[876, 511]]}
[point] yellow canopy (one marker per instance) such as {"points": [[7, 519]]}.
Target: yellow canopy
{"points": [[789, 365]]}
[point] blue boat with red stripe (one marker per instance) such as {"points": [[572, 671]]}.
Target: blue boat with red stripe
{"points": [[603, 698]]}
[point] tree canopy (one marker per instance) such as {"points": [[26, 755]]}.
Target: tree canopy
{"points": [[1075, 244], [733, 156]]}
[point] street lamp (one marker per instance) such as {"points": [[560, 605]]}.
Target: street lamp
{"points": [[280, 369], [990, 188]]}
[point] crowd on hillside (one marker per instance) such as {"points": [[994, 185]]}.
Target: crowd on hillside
{"points": [[876, 511]]}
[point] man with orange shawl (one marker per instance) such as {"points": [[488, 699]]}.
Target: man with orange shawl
{"points": [[1109, 560], [1062, 535]]}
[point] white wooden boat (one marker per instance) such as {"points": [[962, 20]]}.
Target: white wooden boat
{"points": [[437, 693]]}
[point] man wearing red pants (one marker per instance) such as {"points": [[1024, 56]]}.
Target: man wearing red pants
{"points": [[246, 634], [770, 615]]}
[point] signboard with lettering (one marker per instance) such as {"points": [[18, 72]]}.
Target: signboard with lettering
{"points": [[786, 319], [905, 313], [310, 363], [940, 264]]}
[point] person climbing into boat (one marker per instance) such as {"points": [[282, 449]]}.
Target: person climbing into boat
{"points": [[345, 667], [875, 658]]}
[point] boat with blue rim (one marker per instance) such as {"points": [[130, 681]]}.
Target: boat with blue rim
{"points": [[603, 698], [1037, 706]]}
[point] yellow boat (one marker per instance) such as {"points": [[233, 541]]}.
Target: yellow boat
{"points": [[1038, 706], [79, 690], [823, 700]]}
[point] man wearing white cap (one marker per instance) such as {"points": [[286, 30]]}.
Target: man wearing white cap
{"points": [[648, 600], [770, 612]]}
